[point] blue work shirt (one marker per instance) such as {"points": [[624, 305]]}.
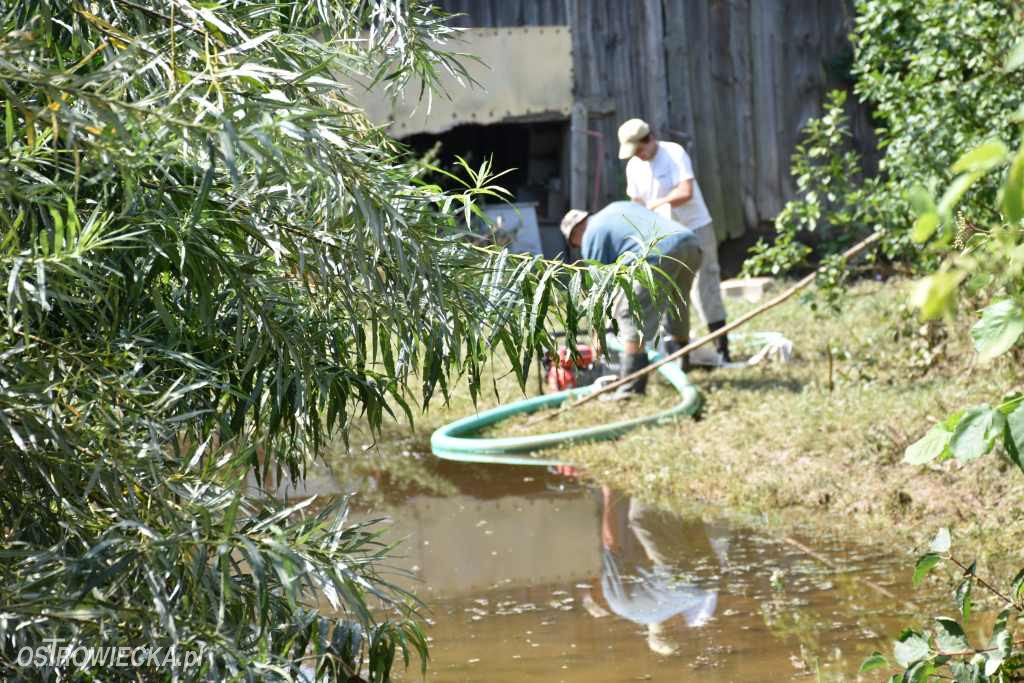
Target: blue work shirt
{"points": [[628, 228]]}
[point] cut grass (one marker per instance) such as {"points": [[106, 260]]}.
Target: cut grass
{"points": [[816, 443]]}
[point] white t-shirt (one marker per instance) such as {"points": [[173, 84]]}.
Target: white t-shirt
{"points": [[654, 179]]}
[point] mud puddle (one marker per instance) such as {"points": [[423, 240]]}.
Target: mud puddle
{"points": [[532, 576]]}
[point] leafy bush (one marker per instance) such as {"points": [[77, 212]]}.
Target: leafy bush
{"points": [[982, 261], [212, 261], [922, 654], [932, 74], [983, 256], [826, 172]]}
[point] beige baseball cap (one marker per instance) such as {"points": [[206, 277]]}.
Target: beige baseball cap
{"points": [[570, 220], [630, 135]]}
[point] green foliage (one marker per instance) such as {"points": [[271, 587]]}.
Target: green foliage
{"points": [[985, 261], [932, 93], [935, 93], [831, 204], [981, 250], [946, 646], [212, 262], [924, 565], [876, 661], [998, 329]]}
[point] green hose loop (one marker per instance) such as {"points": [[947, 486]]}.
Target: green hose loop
{"points": [[453, 441]]}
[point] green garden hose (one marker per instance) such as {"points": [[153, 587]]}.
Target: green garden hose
{"points": [[455, 441]]}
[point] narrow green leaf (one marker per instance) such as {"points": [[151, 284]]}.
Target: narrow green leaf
{"points": [[924, 565], [72, 227], [8, 123], [58, 231], [876, 661], [229, 518], [962, 595], [1013, 192]]}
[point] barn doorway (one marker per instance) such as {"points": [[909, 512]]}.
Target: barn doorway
{"points": [[535, 154]]}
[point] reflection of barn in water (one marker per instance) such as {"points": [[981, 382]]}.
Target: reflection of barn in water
{"points": [[733, 80]]}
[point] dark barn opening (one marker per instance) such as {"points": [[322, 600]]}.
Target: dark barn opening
{"points": [[533, 154]]}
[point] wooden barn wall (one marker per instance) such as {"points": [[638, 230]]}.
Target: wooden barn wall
{"points": [[733, 80], [486, 13], [743, 78]]}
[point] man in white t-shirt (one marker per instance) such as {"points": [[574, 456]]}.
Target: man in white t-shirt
{"points": [[659, 175]]}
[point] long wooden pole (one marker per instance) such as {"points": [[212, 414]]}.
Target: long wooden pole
{"points": [[848, 254]]}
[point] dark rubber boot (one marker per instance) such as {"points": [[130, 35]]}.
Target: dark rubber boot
{"points": [[722, 343], [631, 362], [671, 346]]}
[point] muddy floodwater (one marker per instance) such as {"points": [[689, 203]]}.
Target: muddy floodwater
{"points": [[531, 576]]}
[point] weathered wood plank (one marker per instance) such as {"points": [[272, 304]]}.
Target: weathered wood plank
{"points": [[766, 78], [579, 158], [724, 104], [742, 94], [705, 150], [677, 68], [654, 57]]}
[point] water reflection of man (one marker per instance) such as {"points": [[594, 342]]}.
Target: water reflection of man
{"points": [[656, 567]]}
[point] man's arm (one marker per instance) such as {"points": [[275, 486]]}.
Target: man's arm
{"points": [[677, 196]]}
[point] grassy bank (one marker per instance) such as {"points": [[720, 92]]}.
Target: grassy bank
{"points": [[817, 443]]}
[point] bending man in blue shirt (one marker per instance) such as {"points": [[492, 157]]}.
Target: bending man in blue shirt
{"points": [[626, 229]]}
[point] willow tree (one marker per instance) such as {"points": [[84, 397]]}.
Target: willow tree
{"points": [[211, 260]]}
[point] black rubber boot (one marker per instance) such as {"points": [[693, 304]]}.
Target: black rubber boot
{"points": [[671, 346], [722, 343], [631, 362]]}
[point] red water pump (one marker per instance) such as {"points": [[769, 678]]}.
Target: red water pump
{"points": [[566, 372]]}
